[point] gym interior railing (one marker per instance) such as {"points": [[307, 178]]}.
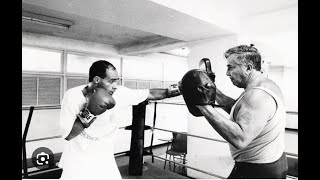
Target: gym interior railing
{"points": [[292, 158]]}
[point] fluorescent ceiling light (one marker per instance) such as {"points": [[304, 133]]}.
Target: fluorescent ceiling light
{"points": [[46, 20]]}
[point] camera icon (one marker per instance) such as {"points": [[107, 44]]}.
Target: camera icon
{"points": [[42, 158]]}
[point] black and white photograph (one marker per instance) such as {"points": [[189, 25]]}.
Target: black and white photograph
{"points": [[159, 89]]}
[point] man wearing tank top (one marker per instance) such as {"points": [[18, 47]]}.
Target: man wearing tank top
{"points": [[256, 128]]}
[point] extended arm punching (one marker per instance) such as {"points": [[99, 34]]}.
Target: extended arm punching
{"points": [[158, 94]]}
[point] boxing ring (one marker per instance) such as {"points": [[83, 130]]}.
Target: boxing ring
{"points": [[137, 149]]}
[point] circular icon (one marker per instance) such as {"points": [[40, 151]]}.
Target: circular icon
{"points": [[43, 158]]}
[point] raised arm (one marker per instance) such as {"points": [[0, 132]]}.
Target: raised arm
{"points": [[255, 109], [226, 101], [98, 103]]}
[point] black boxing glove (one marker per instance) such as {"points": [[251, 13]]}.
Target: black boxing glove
{"points": [[197, 88], [98, 103]]}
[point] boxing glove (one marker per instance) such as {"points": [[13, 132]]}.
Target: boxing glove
{"points": [[197, 88], [98, 103]]}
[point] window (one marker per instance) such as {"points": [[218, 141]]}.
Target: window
{"points": [[73, 82], [46, 74], [40, 90], [29, 91], [80, 64], [49, 90], [40, 60], [143, 84], [42, 76], [130, 84]]}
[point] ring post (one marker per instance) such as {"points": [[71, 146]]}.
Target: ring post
{"points": [[137, 139]]}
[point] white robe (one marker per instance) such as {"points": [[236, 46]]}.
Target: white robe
{"points": [[90, 155]]}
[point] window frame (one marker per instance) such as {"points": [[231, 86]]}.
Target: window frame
{"points": [[45, 75], [64, 75], [50, 50]]}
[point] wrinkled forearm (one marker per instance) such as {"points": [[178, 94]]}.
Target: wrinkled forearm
{"points": [[158, 94], [224, 100]]}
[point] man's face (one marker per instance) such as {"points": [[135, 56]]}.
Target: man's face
{"points": [[236, 72], [110, 82]]}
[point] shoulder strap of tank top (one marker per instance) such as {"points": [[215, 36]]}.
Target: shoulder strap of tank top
{"points": [[272, 94], [234, 105]]}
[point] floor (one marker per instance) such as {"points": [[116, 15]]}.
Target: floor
{"points": [[155, 170], [151, 170]]}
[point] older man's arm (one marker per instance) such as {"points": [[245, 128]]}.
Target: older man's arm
{"points": [[226, 101], [251, 117]]}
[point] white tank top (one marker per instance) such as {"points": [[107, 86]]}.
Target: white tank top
{"points": [[269, 145]]}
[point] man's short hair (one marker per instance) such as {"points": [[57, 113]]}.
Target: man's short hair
{"points": [[99, 68], [245, 55]]}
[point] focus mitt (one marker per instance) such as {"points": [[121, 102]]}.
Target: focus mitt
{"points": [[197, 88]]}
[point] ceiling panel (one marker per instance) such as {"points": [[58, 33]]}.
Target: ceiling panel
{"points": [[143, 26]]}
